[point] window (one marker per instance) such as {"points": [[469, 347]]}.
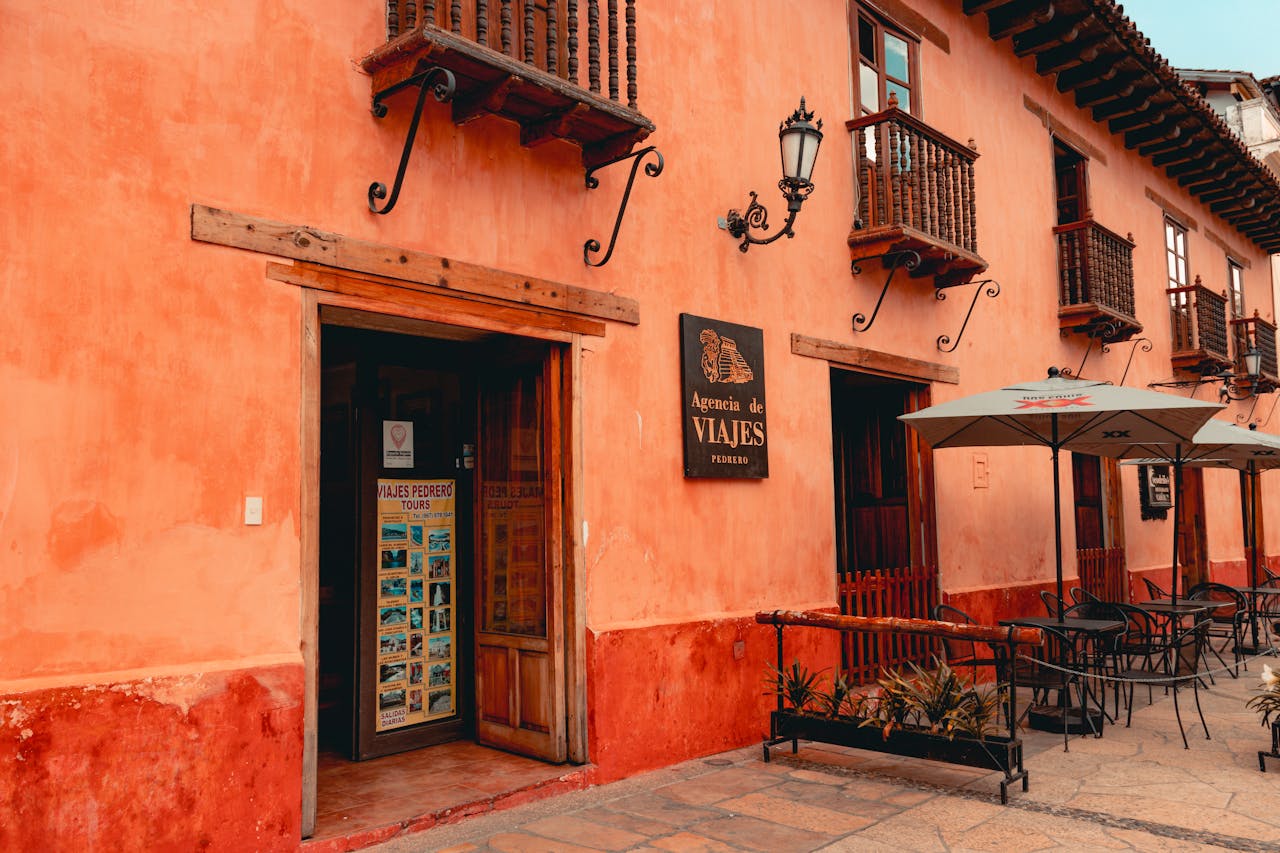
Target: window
{"points": [[1175, 249], [1235, 288], [887, 61], [1070, 185]]}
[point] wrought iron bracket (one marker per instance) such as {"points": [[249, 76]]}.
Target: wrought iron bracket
{"points": [[756, 216], [438, 81], [993, 290], [653, 170], [1146, 347], [907, 259]]}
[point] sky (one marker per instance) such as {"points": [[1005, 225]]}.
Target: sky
{"points": [[1228, 35]]}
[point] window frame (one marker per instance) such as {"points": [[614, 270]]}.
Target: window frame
{"points": [[1171, 253], [1079, 174], [881, 25], [1235, 288]]}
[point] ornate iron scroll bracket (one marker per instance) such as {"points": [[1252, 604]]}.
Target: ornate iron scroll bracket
{"points": [[1247, 418], [907, 259], [1146, 347], [993, 290], [756, 216], [653, 170], [441, 83]]}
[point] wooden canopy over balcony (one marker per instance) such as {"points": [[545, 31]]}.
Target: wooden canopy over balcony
{"points": [[1097, 54], [915, 191], [1198, 318], [526, 62]]}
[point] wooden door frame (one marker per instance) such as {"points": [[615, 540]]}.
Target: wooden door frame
{"points": [[388, 309]]}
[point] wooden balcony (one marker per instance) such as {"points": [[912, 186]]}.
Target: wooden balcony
{"points": [[1095, 269], [1199, 325], [915, 191], [561, 70], [1261, 334]]}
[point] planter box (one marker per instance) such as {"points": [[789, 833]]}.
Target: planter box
{"points": [[1262, 756], [995, 752]]}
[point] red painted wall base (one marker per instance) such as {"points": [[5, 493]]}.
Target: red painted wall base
{"points": [[204, 761]]}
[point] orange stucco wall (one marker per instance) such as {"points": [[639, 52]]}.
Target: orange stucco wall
{"points": [[154, 382]]}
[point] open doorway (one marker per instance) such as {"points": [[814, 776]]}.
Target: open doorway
{"points": [[440, 543]]}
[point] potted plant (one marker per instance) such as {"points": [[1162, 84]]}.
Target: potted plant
{"points": [[931, 713], [1267, 702]]}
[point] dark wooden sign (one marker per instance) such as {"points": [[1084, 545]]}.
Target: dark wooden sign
{"points": [[722, 383], [1155, 491]]}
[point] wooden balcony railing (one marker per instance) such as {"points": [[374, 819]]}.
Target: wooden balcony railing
{"points": [[1095, 269], [916, 191], [1199, 324], [1261, 334], [907, 592], [560, 68]]}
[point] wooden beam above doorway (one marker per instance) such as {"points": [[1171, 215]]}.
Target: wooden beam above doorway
{"points": [[443, 275], [874, 361]]}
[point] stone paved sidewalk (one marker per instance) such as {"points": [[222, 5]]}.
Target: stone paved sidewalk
{"points": [[1133, 789]]}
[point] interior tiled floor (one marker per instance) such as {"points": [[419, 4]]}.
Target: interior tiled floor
{"points": [[358, 795]]}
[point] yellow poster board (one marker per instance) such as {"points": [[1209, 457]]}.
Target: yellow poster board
{"points": [[416, 543]]}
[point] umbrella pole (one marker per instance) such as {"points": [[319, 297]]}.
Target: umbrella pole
{"points": [[1057, 516], [1253, 552], [1177, 515]]}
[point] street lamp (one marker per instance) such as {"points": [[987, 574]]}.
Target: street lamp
{"points": [[798, 140]]}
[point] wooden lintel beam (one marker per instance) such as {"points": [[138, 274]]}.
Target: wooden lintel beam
{"points": [[1060, 32], [303, 243], [874, 361], [485, 101], [1019, 18], [553, 127]]}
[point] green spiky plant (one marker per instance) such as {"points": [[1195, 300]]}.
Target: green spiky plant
{"points": [[796, 684], [976, 715], [831, 702]]}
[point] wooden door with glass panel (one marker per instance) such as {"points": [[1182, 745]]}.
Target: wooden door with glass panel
{"points": [[519, 638]]}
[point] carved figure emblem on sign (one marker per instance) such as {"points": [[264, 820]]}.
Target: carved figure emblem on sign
{"points": [[721, 361]]}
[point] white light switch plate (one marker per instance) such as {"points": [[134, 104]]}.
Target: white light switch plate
{"points": [[253, 510]]}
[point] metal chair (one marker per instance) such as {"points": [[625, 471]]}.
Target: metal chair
{"points": [[1172, 664], [1101, 654], [1080, 595], [1226, 621], [1154, 590], [964, 653], [1052, 604], [1057, 670]]}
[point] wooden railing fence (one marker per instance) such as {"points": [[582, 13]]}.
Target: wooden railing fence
{"points": [[907, 592], [1102, 572]]}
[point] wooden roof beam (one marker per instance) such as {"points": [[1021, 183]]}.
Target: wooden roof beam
{"points": [[1060, 32], [1224, 193], [1076, 62], [1209, 162], [1162, 147], [1157, 112], [1216, 181], [1019, 17], [1107, 90], [1138, 102], [1239, 205], [1168, 130]]}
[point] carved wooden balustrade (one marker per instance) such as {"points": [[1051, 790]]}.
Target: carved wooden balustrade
{"points": [[1095, 267], [915, 191], [560, 68], [1263, 335], [1199, 324]]}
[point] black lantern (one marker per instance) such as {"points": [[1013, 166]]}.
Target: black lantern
{"points": [[1243, 386], [798, 139]]}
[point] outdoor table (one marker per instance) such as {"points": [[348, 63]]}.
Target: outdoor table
{"points": [[1091, 631], [1253, 593], [1171, 613]]}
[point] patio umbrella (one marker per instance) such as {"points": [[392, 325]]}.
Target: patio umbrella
{"points": [[1216, 444], [1061, 413]]}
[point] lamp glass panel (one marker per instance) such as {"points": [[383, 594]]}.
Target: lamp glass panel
{"points": [[799, 151], [1253, 362]]}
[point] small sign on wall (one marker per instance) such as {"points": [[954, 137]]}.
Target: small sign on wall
{"points": [[722, 383], [397, 444], [1155, 491]]}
